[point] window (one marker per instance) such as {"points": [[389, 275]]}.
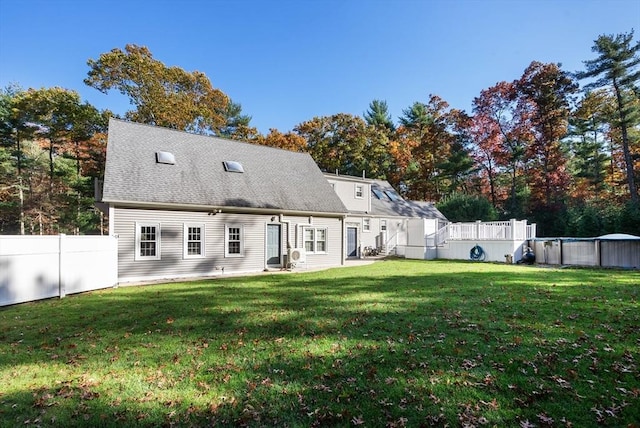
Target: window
{"points": [[321, 240], [315, 240], [309, 240], [359, 191], [392, 195], [233, 240], [378, 193], [147, 241], [383, 225], [193, 241], [366, 224]]}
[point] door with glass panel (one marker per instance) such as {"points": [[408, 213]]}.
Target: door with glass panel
{"points": [[274, 253]]}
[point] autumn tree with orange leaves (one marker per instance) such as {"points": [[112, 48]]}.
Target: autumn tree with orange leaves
{"points": [[422, 145], [289, 141], [346, 144], [523, 148], [163, 96]]}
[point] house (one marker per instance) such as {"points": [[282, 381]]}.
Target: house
{"points": [[379, 217], [185, 205]]}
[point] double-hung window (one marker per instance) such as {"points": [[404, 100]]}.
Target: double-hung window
{"points": [[315, 240], [383, 225], [233, 240], [359, 191], [366, 224], [193, 240], [147, 241]]}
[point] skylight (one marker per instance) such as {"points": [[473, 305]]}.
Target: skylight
{"points": [[166, 158], [392, 195], [378, 193], [233, 166]]}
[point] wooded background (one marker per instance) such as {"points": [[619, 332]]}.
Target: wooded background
{"points": [[539, 147]]}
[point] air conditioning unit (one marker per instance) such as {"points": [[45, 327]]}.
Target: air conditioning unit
{"points": [[297, 255]]}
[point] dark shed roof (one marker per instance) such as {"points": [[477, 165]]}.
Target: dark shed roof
{"points": [[385, 206], [273, 179]]}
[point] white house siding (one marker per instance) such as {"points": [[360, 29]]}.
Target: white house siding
{"points": [[396, 235], [172, 264], [346, 191], [390, 240], [335, 246], [494, 250]]}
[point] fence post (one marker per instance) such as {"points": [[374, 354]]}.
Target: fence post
{"points": [[478, 222], [512, 229], [62, 287], [560, 240]]}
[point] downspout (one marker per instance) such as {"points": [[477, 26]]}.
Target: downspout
{"points": [[288, 223], [112, 220], [343, 255]]}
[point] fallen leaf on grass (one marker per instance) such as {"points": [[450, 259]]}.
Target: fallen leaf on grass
{"points": [[358, 420]]}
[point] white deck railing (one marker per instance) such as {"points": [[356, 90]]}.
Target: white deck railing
{"points": [[512, 230]]}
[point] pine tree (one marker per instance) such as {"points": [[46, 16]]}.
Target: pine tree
{"points": [[616, 68], [378, 116]]}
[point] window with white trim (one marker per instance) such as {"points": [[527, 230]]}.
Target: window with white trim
{"points": [[315, 240], [233, 240], [366, 224], [193, 246], [359, 191], [321, 240], [147, 241], [383, 225]]}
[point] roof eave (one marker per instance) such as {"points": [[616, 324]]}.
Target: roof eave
{"points": [[220, 208]]}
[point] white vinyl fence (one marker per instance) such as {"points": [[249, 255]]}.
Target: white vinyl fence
{"points": [[41, 267], [512, 230]]}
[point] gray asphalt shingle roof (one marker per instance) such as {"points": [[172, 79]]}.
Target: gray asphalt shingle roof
{"points": [[272, 179], [400, 207]]}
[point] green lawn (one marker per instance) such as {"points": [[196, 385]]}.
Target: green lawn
{"points": [[396, 343]]}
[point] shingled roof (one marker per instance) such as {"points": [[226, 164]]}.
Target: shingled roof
{"points": [[385, 206], [273, 179]]}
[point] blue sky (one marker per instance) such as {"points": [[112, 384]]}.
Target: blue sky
{"points": [[289, 61]]}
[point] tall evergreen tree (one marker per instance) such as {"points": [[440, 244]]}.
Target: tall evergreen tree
{"points": [[237, 124], [544, 92], [616, 68], [378, 115], [423, 144], [586, 143]]}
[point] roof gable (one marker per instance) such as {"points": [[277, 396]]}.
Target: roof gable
{"points": [[272, 178]]}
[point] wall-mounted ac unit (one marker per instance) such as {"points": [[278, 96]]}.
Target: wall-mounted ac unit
{"points": [[298, 255]]}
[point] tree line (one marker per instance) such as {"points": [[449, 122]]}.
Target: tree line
{"points": [[538, 147]]}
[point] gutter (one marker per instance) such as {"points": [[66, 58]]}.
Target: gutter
{"points": [[221, 209]]}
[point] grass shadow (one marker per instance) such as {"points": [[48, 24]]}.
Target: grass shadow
{"points": [[393, 343]]}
